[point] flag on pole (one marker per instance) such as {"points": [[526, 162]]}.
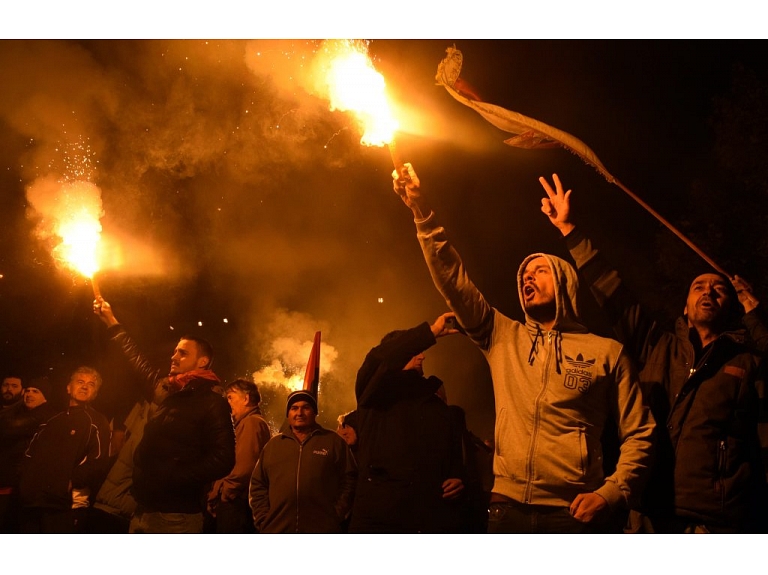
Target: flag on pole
{"points": [[309, 390], [312, 374], [532, 134]]}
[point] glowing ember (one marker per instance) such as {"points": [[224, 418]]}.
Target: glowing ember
{"points": [[277, 374], [289, 363], [353, 84], [80, 235], [69, 215]]}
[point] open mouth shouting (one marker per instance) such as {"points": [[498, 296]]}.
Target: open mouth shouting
{"points": [[529, 291]]}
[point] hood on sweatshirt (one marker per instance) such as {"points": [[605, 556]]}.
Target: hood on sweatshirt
{"points": [[566, 286]]}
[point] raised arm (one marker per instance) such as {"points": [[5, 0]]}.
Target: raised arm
{"points": [[557, 205], [755, 319], [116, 333], [393, 355], [632, 324], [474, 314]]}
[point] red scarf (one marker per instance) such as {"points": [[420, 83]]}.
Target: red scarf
{"points": [[179, 381]]}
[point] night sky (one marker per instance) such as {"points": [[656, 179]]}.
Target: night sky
{"points": [[233, 192]]}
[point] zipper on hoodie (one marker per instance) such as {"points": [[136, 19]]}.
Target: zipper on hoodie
{"points": [[536, 419]]}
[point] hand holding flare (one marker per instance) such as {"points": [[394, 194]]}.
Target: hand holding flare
{"points": [[407, 185]]}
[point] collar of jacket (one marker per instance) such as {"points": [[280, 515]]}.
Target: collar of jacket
{"points": [[252, 411], [196, 384], [682, 330], [78, 407], [285, 430]]}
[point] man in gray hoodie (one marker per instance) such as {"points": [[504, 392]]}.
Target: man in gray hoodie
{"points": [[555, 388]]}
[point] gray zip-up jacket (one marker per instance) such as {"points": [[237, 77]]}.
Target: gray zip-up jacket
{"points": [[303, 487], [554, 391]]}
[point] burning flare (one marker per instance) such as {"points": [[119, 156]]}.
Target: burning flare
{"points": [[353, 84], [80, 235]]}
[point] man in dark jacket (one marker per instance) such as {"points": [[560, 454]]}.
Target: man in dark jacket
{"points": [[66, 461], [409, 452], [701, 380], [304, 481], [18, 424], [188, 443]]}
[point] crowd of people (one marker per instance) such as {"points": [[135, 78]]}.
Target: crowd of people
{"points": [[654, 430]]}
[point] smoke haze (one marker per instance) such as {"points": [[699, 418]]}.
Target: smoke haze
{"points": [[230, 191]]}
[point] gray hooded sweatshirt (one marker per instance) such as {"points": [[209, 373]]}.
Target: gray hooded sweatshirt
{"points": [[554, 391]]}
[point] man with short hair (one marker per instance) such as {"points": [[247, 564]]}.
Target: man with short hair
{"points": [[228, 498], [189, 441], [66, 461], [18, 424], [703, 383], [555, 387], [304, 481], [10, 391]]}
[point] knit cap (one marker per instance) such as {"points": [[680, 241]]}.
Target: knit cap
{"points": [[301, 395]]}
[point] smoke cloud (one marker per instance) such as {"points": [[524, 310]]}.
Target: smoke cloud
{"points": [[228, 189]]}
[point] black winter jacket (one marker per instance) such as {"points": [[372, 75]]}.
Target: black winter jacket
{"points": [[408, 443], [188, 443], [17, 426], [70, 450], [708, 469]]}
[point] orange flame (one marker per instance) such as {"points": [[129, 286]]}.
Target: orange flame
{"points": [[70, 213], [353, 84]]}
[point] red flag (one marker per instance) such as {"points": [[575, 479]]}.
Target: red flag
{"points": [[312, 374]]}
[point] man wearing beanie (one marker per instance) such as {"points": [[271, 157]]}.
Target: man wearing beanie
{"points": [[304, 481], [18, 424], [701, 376]]}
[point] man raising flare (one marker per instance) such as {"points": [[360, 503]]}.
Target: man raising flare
{"points": [[555, 385], [188, 443]]}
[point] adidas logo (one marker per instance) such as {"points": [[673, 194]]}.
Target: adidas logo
{"points": [[579, 375], [580, 362]]}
